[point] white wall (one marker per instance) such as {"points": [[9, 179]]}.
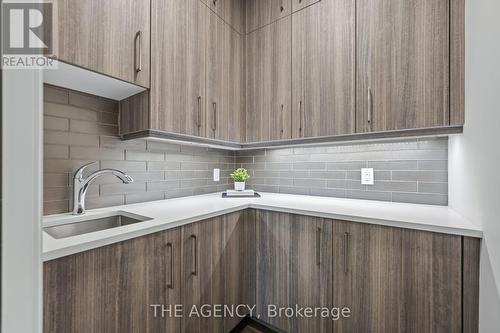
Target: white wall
{"points": [[21, 264], [21, 202], [474, 157]]}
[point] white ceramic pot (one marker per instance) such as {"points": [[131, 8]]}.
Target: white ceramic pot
{"points": [[239, 186]]}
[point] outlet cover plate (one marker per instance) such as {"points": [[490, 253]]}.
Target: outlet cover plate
{"points": [[367, 176], [216, 175]]}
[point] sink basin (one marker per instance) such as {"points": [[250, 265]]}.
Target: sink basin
{"points": [[96, 224]]}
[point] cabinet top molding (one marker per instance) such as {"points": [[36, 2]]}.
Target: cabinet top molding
{"points": [[214, 143]]}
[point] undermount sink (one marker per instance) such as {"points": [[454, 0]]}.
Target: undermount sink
{"points": [[94, 224]]}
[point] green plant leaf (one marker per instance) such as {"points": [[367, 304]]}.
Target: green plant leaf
{"points": [[240, 175]]}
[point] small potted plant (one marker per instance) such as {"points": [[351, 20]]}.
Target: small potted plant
{"points": [[239, 176]]}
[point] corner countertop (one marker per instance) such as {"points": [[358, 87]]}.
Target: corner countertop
{"points": [[171, 213]]}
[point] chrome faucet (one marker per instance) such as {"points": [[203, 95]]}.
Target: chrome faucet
{"points": [[81, 185]]}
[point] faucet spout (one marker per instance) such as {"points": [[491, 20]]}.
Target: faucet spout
{"points": [[81, 185]]}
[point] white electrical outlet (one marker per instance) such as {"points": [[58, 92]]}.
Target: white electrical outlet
{"points": [[367, 176], [216, 175]]}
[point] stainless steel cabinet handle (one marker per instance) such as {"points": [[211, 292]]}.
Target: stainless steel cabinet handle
{"points": [[318, 246], [370, 106], [282, 119], [300, 117], [214, 119], [138, 52], [171, 250], [198, 119], [346, 252], [194, 270]]}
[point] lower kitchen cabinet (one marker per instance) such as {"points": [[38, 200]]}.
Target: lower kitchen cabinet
{"points": [[294, 267], [218, 265], [111, 288], [391, 279], [397, 280], [202, 273], [240, 262]]}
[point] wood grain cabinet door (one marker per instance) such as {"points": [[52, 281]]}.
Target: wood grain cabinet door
{"points": [[263, 12], [234, 14], [323, 69], [403, 64], [311, 277], [273, 265], [111, 37], [216, 122], [218, 268], [231, 117], [112, 288], [216, 6], [178, 66], [300, 4], [396, 280], [202, 274], [294, 268], [240, 262], [268, 82]]}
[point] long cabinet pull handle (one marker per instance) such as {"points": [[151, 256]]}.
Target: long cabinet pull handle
{"points": [[346, 252], [214, 119], [198, 118], [282, 120], [138, 52], [318, 246], [300, 117], [194, 270], [171, 250], [370, 106]]}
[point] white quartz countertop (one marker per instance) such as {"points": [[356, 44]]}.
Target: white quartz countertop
{"points": [[172, 213]]}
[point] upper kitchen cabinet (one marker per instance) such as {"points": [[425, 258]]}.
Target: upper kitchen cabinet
{"points": [[178, 66], [245, 73], [217, 6], [224, 80], [231, 11], [269, 82], [403, 64], [323, 69], [262, 12], [300, 4], [111, 37], [234, 84], [216, 121], [234, 14]]}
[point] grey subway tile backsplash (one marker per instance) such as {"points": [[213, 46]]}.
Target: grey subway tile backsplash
{"points": [[69, 112], [437, 188], [421, 198], [56, 152], [81, 128], [427, 176], [407, 170], [55, 123]]}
